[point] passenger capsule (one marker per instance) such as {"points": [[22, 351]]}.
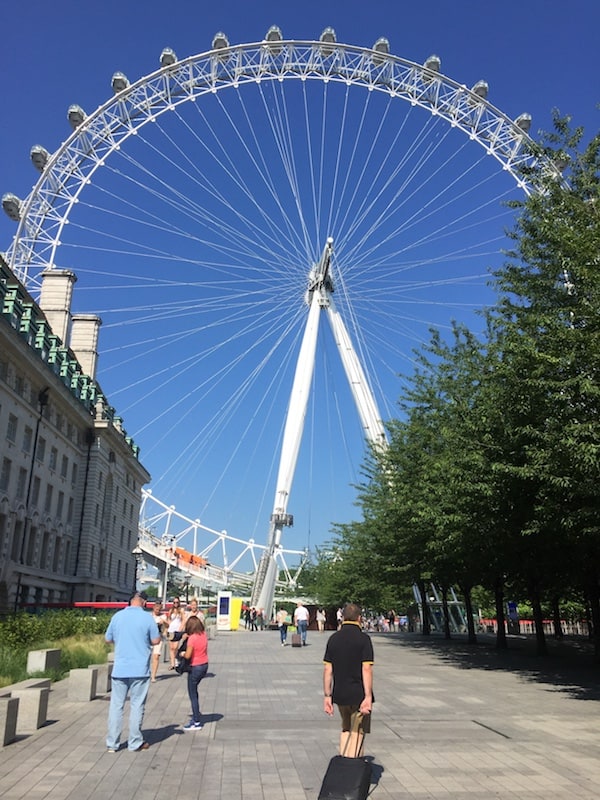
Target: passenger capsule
{"points": [[481, 89], [12, 206], [381, 46], [220, 42], [119, 82], [167, 57], [327, 39], [39, 157], [523, 121], [76, 116], [433, 64], [273, 37]]}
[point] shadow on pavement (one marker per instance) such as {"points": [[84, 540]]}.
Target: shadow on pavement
{"points": [[569, 667]]}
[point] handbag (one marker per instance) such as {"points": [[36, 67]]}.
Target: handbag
{"points": [[347, 778], [182, 664]]}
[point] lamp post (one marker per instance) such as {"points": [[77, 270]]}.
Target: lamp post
{"points": [[137, 552]]}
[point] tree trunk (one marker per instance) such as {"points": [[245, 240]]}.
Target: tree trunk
{"points": [[471, 635], [558, 631], [538, 618], [594, 599], [501, 640], [425, 626], [446, 613]]}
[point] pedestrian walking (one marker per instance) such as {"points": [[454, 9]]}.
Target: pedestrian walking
{"points": [[301, 618], [348, 680]]}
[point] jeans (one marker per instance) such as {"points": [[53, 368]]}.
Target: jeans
{"points": [[302, 628], [194, 677], [137, 688], [283, 633]]}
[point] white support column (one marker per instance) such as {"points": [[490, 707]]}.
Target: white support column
{"points": [[319, 297], [363, 397]]}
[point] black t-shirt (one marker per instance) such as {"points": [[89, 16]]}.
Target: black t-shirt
{"points": [[347, 650]]}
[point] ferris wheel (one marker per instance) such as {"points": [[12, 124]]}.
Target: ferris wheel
{"points": [[205, 206]]}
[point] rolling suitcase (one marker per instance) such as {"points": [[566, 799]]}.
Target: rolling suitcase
{"points": [[296, 640], [347, 778]]}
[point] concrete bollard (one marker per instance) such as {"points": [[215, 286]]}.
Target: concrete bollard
{"points": [[42, 660], [33, 707], [9, 709], [104, 676], [83, 684]]}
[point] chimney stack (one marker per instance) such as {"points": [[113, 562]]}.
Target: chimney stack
{"points": [[84, 341], [55, 300]]}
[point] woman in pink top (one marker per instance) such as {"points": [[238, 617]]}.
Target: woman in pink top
{"points": [[197, 655]]}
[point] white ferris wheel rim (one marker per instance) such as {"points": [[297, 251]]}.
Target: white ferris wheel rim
{"points": [[44, 213], [66, 173]]}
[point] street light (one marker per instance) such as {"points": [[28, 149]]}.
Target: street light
{"points": [[137, 552]]}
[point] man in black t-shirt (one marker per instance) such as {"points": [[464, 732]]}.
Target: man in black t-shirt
{"points": [[348, 680]]}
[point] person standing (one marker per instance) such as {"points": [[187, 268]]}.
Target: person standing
{"points": [[301, 617], [321, 619], [161, 622], [176, 619], [197, 654], [133, 632], [194, 611], [348, 680], [391, 618]]}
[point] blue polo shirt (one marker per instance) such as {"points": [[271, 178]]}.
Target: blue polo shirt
{"points": [[132, 630]]}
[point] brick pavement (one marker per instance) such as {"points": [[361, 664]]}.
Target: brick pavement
{"points": [[450, 722]]}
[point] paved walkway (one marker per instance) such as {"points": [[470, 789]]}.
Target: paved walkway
{"points": [[449, 722]]}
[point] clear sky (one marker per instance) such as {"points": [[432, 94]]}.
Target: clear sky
{"points": [[201, 368]]}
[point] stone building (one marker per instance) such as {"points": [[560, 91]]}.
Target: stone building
{"points": [[70, 476]]}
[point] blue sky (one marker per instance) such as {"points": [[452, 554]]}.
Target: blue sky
{"points": [[194, 367]]}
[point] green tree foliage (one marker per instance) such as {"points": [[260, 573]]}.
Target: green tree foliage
{"points": [[492, 476]]}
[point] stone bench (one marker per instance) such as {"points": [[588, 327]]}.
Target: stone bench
{"points": [[83, 684], [9, 709], [42, 661], [104, 676], [32, 708]]}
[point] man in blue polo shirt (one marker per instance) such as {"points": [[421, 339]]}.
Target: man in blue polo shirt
{"points": [[133, 631], [348, 680]]}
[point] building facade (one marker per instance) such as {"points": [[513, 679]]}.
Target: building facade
{"points": [[70, 476]]}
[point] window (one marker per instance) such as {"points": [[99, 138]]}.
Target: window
{"points": [[45, 550], [5, 474], [56, 559], [64, 467], [11, 430], [21, 483], [35, 494], [19, 385], [53, 458], [74, 474], [70, 511], [59, 504], [40, 453], [48, 500], [27, 439]]}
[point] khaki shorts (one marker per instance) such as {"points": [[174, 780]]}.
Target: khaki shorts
{"points": [[348, 715]]}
